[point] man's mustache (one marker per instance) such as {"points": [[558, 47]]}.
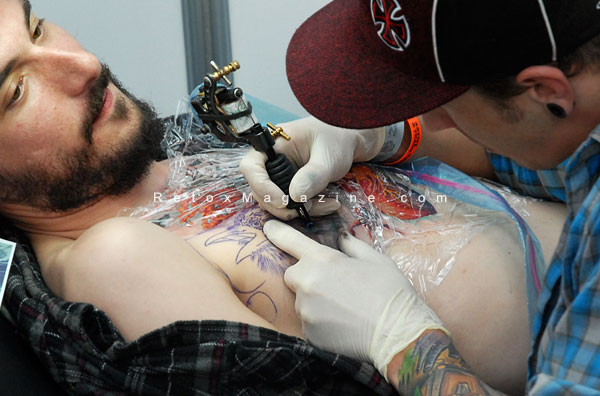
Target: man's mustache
{"points": [[96, 101]]}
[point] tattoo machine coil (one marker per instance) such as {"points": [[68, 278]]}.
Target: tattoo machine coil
{"points": [[226, 114]]}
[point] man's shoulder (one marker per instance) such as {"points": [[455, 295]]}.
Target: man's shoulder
{"points": [[109, 248], [113, 235], [116, 227]]}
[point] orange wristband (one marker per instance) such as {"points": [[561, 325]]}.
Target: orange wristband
{"points": [[416, 134]]}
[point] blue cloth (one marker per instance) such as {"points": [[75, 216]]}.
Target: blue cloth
{"points": [[565, 356], [266, 112], [546, 184]]}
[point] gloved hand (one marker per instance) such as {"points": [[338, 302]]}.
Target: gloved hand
{"points": [[355, 302], [323, 153]]}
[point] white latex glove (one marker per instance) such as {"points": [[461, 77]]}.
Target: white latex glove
{"points": [[355, 302], [323, 153]]}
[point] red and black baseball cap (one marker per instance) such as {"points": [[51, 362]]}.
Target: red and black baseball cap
{"points": [[367, 63]]}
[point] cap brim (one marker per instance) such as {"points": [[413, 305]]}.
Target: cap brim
{"points": [[343, 74]]}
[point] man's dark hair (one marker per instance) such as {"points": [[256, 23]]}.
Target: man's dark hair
{"points": [[586, 57]]}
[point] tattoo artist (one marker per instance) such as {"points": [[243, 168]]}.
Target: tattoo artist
{"points": [[509, 90]]}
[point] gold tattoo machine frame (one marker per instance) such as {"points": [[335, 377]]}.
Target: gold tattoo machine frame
{"points": [[226, 114]]}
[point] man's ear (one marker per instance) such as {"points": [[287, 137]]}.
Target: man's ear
{"points": [[547, 84]]}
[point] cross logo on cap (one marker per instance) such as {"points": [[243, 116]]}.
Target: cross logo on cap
{"points": [[392, 27]]}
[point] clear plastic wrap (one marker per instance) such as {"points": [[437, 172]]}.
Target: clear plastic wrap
{"points": [[420, 215], [421, 229]]}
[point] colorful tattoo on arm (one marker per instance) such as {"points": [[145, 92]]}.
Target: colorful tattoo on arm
{"points": [[434, 367]]}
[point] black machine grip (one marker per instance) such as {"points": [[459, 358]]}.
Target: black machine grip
{"points": [[281, 171]]}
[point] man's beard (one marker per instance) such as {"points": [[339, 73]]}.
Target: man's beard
{"points": [[83, 177]]}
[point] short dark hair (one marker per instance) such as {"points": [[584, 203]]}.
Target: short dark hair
{"points": [[586, 57]]}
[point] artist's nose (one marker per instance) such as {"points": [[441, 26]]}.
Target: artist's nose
{"points": [[71, 71]]}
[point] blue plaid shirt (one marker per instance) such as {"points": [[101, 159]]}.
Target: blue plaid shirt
{"points": [[565, 355]]}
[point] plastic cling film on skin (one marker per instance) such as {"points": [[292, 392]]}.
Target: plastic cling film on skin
{"points": [[420, 228], [450, 181]]}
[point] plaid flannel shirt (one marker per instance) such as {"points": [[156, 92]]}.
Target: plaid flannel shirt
{"points": [[565, 355], [86, 354]]}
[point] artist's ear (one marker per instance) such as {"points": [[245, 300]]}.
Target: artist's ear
{"points": [[547, 84]]}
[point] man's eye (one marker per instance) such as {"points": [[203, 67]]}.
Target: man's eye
{"points": [[18, 92], [37, 32]]}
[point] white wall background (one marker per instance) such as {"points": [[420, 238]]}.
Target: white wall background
{"points": [[260, 33], [141, 41]]}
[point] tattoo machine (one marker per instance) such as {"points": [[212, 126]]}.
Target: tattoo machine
{"points": [[226, 114]]}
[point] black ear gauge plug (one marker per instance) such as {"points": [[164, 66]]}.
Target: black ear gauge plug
{"points": [[556, 110]]}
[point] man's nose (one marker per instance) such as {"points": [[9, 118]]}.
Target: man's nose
{"points": [[72, 72]]}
